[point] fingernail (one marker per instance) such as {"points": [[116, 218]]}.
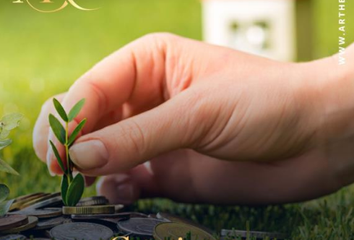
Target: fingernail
{"points": [[49, 163], [89, 155]]}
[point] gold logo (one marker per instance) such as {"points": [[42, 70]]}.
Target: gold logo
{"points": [[121, 238], [64, 5]]}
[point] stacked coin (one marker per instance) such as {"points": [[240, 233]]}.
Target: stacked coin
{"points": [[44, 217], [12, 221]]}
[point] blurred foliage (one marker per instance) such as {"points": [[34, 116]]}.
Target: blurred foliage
{"points": [[42, 55], [325, 26]]}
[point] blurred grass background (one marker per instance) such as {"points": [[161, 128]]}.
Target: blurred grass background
{"points": [[42, 55]]}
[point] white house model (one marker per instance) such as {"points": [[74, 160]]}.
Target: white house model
{"points": [[262, 27]]}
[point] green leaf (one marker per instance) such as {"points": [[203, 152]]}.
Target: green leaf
{"points": [[5, 167], [64, 188], [5, 143], [76, 109], [57, 128], [76, 132], [57, 155], [5, 207], [75, 191], [4, 192], [11, 121], [4, 133], [60, 110]]}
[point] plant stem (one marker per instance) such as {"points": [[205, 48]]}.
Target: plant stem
{"points": [[68, 167]]}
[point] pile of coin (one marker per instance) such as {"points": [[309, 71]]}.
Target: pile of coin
{"points": [[42, 216]]}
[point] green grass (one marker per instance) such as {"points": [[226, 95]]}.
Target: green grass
{"points": [[43, 54]]}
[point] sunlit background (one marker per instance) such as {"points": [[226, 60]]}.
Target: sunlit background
{"points": [[42, 54]]}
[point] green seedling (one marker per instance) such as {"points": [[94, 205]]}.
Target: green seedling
{"points": [[72, 187], [7, 123]]}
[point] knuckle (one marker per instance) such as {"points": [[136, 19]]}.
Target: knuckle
{"points": [[132, 137], [198, 107], [200, 114], [159, 37]]}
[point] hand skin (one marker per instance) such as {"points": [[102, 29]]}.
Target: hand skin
{"points": [[218, 125]]}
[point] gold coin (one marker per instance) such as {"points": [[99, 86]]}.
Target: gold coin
{"points": [[36, 200], [32, 222], [174, 231], [29, 196], [23, 200], [106, 209]]}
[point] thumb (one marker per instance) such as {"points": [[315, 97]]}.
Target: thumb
{"points": [[124, 145]]}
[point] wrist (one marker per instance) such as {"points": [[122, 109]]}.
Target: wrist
{"points": [[326, 93], [330, 88], [336, 100]]}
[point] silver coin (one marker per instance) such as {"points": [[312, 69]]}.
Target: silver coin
{"points": [[118, 207], [82, 230], [13, 237], [55, 201], [139, 226], [41, 213], [252, 234], [50, 223], [115, 215], [93, 201], [93, 198]]}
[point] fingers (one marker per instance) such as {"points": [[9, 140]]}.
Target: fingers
{"points": [[122, 146], [187, 176], [136, 78], [118, 189], [128, 187], [136, 69]]}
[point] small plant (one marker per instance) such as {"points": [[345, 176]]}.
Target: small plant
{"points": [[7, 123], [72, 188]]}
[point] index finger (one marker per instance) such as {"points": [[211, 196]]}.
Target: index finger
{"points": [[135, 70], [132, 74]]}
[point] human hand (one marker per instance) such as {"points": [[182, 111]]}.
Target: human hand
{"points": [[185, 105]]}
